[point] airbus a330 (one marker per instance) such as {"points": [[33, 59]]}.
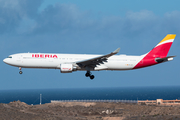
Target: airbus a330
{"points": [[68, 63]]}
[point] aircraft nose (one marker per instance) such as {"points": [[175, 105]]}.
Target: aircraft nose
{"points": [[5, 60]]}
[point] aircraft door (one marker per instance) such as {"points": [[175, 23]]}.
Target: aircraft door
{"points": [[19, 58]]}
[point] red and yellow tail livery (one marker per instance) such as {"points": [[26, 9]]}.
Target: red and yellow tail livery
{"points": [[158, 53]]}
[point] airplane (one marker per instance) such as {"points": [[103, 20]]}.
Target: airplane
{"points": [[68, 63]]}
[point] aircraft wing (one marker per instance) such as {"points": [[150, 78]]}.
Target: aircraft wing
{"points": [[97, 60]]}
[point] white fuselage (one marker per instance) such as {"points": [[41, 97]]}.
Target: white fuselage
{"points": [[67, 63], [46, 60]]}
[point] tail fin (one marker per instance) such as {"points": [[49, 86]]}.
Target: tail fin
{"points": [[158, 53], [161, 50]]}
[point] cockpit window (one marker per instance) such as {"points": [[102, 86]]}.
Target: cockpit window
{"points": [[10, 57]]}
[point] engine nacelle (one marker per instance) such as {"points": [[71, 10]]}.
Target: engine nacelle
{"points": [[67, 68]]}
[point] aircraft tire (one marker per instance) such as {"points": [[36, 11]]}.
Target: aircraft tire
{"points": [[87, 74], [92, 77], [20, 72]]}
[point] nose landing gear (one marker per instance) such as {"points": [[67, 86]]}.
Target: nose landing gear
{"points": [[20, 72], [88, 74]]}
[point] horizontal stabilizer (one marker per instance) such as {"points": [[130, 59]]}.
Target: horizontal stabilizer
{"points": [[160, 60]]}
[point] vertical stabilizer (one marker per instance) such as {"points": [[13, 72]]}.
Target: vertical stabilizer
{"points": [[159, 51]]}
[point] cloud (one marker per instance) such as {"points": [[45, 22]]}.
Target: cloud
{"points": [[59, 17], [24, 18], [13, 11], [67, 19]]}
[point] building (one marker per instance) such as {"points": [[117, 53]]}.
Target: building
{"points": [[159, 102]]}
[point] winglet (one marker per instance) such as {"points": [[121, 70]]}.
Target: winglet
{"points": [[116, 51]]}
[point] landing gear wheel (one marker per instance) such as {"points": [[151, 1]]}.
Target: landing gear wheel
{"points": [[92, 77], [87, 74], [20, 72]]}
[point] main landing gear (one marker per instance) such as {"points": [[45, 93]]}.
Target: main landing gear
{"points": [[88, 74], [20, 72]]}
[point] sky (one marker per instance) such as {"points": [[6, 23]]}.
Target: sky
{"points": [[88, 27]]}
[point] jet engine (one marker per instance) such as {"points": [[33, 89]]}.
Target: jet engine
{"points": [[67, 68]]}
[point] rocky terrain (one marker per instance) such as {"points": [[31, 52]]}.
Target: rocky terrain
{"points": [[87, 111]]}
